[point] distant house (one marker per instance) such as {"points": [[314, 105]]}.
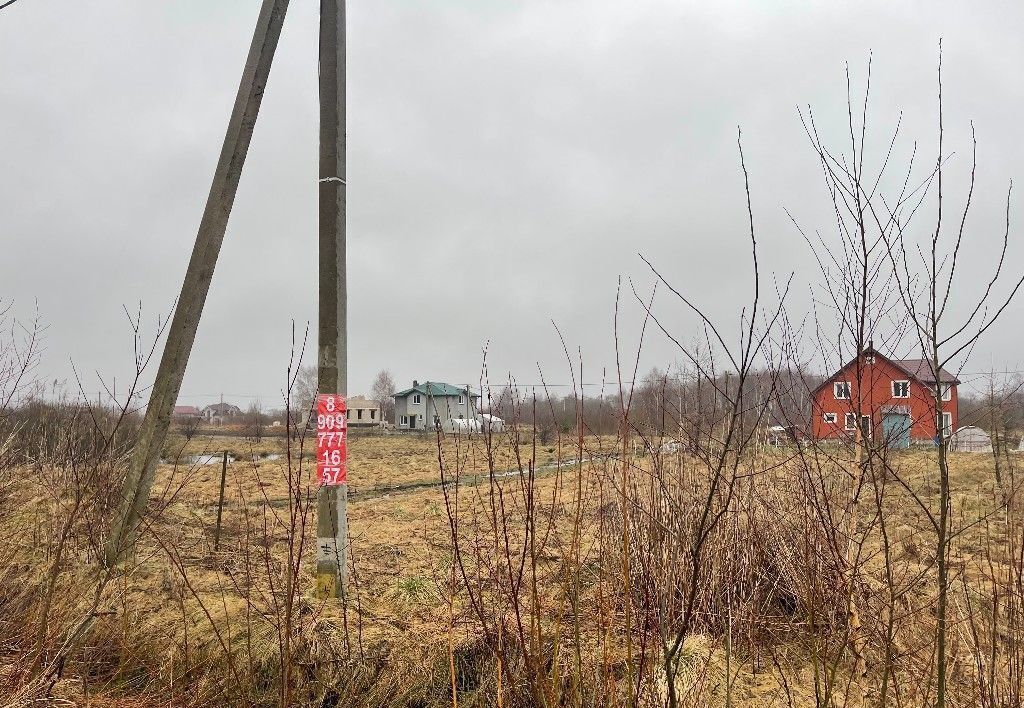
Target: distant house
{"points": [[895, 399], [186, 413], [221, 413], [431, 405], [362, 412]]}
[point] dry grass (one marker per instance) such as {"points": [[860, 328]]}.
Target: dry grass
{"points": [[189, 626], [377, 461]]}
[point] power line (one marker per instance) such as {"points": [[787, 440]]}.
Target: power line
{"points": [[990, 373], [8, 3]]}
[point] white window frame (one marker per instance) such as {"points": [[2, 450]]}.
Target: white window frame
{"points": [[373, 414], [845, 389], [416, 399], [850, 422], [947, 391], [831, 418], [940, 422], [405, 421], [896, 383], [461, 400]]}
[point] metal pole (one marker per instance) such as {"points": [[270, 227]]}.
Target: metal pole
{"points": [[182, 332], [332, 369]]}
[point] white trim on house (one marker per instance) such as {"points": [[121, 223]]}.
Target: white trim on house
{"points": [[946, 423], [900, 389], [839, 388], [831, 418], [850, 421], [416, 399]]}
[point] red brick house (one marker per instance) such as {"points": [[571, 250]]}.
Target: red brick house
{"points": [[894, 398]]}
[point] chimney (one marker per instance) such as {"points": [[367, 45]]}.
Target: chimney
{"points": [[415, 383]]}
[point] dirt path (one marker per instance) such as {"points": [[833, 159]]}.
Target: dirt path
{"points": [[377, 492]]}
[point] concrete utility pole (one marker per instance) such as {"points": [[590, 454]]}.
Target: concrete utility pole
{"points": [[182, 332], [332, 362]]}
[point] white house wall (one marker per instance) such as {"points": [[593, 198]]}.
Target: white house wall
{"points": [[444, 407]]}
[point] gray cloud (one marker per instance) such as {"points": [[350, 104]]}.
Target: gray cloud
{"points": [[535, 146]]}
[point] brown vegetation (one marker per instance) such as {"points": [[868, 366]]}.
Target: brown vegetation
{"points": [[513, 587]]}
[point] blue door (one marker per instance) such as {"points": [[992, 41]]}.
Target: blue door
{"points": [[896, 428]]}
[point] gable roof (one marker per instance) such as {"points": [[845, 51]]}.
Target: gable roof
{"points": [[186, 410], [919, 369], [435, 390], [222, 408]]}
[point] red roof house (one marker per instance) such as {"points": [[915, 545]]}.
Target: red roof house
{"points": [[894, 399]]}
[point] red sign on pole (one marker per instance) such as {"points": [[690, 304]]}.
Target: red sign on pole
{"points": [[331, 431]]}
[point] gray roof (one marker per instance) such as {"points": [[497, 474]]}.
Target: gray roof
{"points": [[223, 408], [921, 369], [435, 390]]}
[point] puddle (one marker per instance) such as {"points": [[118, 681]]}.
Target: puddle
{"points": [[201, 460], [266, 456], [218, 457]]}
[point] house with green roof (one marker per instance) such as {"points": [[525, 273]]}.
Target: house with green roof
{"points": [[432, 405]]}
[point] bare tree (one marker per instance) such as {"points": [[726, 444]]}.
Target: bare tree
{"points": [[303, 392], [926, 276], [883, 277], [254, 421], [20, 348], [383, 392]]}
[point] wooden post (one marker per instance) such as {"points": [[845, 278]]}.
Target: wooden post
{"points": [[332, 359], [220, 501], [182, 332]]}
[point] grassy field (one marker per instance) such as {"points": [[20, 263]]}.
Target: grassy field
{"points": [[526, 588], [377, 461]]}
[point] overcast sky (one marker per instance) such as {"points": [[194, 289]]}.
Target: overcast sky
{"points": [[508, 161]]}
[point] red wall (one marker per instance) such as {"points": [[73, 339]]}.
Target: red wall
{"points": [[871, 388]]}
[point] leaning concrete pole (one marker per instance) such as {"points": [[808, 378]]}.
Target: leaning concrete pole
{"points": [[182, 332], [332, 360]]}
